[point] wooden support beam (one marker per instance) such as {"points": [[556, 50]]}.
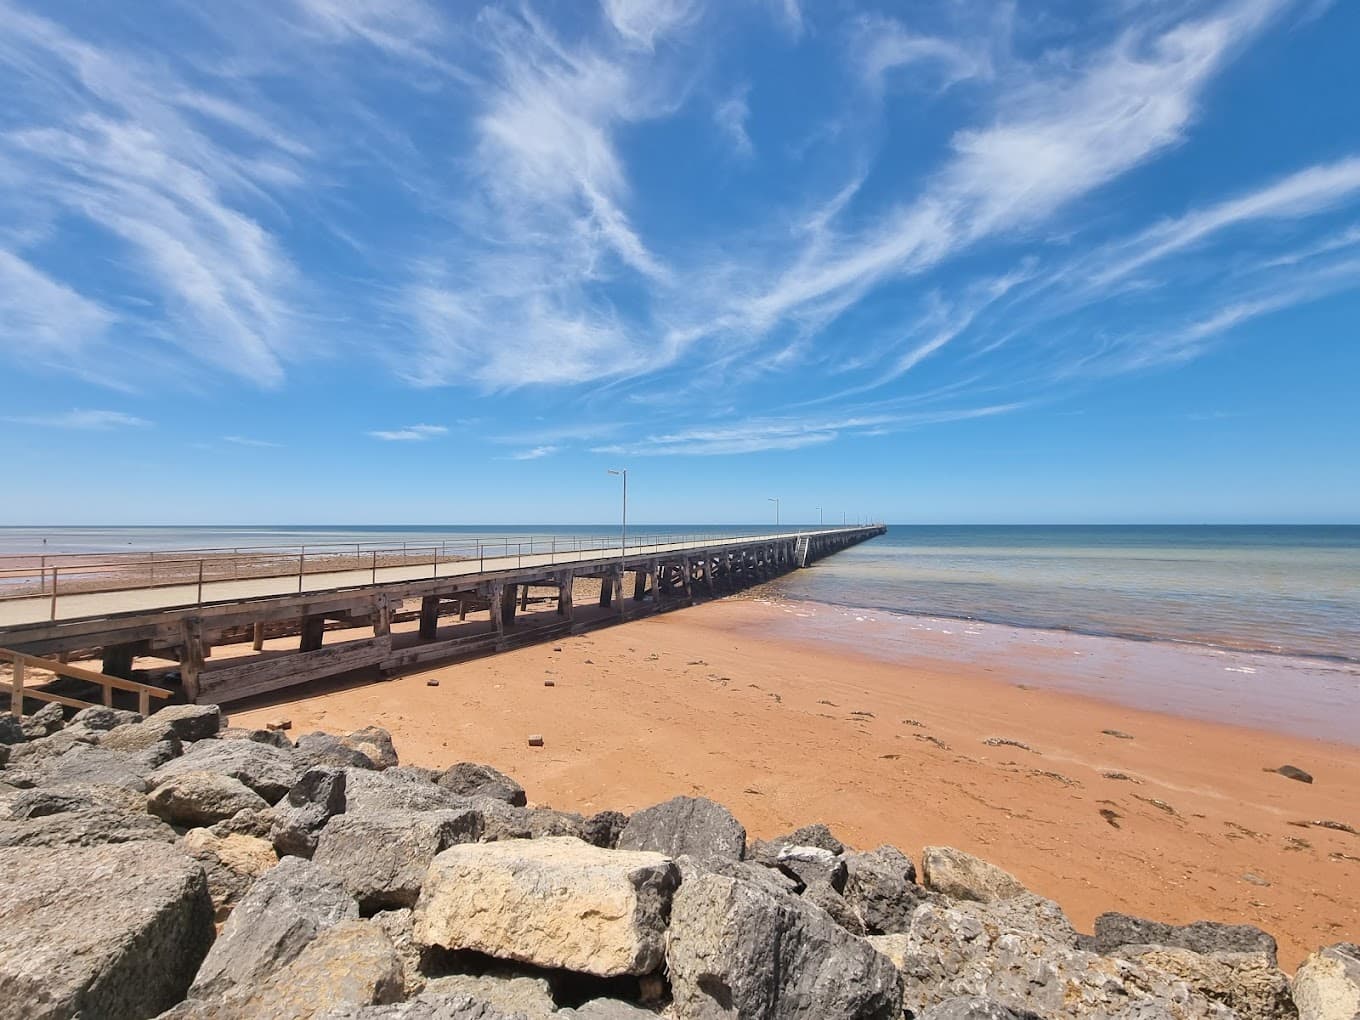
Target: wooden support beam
{"points": [[523, 598], [191, 658], [429, 617], [257, 636], [508, 610], [565, 583], [313, 633], [462, 610], [498, 606], [606, 591], [382, 616], [118, 661], [639, 585]]}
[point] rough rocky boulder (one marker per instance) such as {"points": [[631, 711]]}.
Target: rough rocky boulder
{"points": [[201, 798], [268, 771], [737, 950], [1327, 984], [965, 877], [113, 931], [468, 779], [382, 856], [685, 825], [554, 902], [283, 912]]}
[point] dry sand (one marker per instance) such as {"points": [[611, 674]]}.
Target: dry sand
{"points": [[1178, 823]]}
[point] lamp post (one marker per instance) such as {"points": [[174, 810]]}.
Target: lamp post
{"points": [[819, 517], [775, 501], [623, 528]]}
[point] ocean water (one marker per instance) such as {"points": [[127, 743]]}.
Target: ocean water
{"points": [[1284, 590]]}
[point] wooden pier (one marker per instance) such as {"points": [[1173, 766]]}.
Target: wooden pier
{"points": [[383, 616]]}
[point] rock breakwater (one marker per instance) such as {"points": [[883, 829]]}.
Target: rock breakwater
{"points": [[177, 867]]}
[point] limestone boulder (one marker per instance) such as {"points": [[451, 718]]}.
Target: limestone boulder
{"points": [[1248, 983], [685, 825], [140, 736], [330, 751], [1327, 984], [737, 950], [314, 799], [553, 902], [767, 851], [965, 877], [78, 816], [83, 765], [953, 951], [275, 738], [772, 879], [973, 1007], [382, 856], [376, 743], [606, 1009], [201, 798], [282, 913], [468, 779], [268, 771], [545, 821], [44, 722], [11, 730], [522, 994], [112, 931], [231, 863]]}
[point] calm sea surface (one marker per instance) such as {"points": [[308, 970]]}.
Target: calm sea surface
{"points": [[1291, 590]]}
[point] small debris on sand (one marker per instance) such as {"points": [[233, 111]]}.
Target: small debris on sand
{"points": [[1338, 826], [932, 740], [1160, 805], [863, 714], [279, 724], [1007, 742], [1111, 816], [432, 682], [549, 683], [1119, 775], [1118, 733], [912, 722], [823, 701], [1292, 772], [535, 740], [1254, 879]]}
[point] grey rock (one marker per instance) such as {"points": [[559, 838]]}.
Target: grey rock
{"points": [[141, 736], [327, 749], [602, 829], [500, 821], [275, 738], [78, 816], [1294, 772], [548, 822], [1247, 983], [399, 926], [1114, 930], [32, 753], [771, 879], [283, 912], [469, 779], [812, 864], [191, 722], [376, 743], [201, 799], [881, 889], [255, 822], [1327, 984], [382, 856], [965, 877], [366, 790], [267, 770], [97, 717], [958, 951], [44, 722], [83, 765], [736, 950], [824, 895], [685, 825], [1024, 913], [606, 1009], [973, 1007], [311, 803], [351, 963], [11, 730], [113, 932], [529, 996], [427, 1006], [39, 803], [767, 851]]}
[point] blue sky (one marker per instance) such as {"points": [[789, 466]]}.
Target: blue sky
{"points": [[396, 261]]}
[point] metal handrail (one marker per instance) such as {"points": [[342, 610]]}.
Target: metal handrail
{"points": [[434, 554]]}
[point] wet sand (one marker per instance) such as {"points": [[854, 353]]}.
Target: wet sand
{"points": [[749, 704]]}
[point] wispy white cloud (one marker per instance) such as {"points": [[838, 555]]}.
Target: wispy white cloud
{"points": [[410, 433], [79, 419], [731, 115], [883, 46], [43, 315], [642, 22], [536, 453], [247, 441]]}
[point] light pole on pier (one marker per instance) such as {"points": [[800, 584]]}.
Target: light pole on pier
{"points": [[623, 528], [775, 501], [819, 517]]}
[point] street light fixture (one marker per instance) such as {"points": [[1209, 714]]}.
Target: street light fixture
{"points": [[819, 517], [623, 528], [775, 501]]}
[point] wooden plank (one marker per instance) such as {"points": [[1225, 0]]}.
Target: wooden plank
{"points": [[258, 676], [16, 688], [38, 694]]}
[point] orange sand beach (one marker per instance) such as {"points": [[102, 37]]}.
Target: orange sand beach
{"points": [[1176, 820]]}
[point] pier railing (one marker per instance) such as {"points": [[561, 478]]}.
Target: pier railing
{"points": [[50, 576], [18, 690]]}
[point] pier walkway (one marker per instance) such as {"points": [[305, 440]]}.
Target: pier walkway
{"points": [[467, 604]]}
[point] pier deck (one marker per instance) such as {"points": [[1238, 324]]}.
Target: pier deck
{"points": [[180, 623]]}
